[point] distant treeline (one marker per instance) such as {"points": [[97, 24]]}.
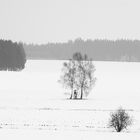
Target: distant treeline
{"points": [[12, 56], [98, 50]]}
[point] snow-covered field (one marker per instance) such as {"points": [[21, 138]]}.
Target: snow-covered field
{"points": [[33, 104]]}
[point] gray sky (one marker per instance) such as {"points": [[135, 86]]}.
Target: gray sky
{"points": [[42, 21]]}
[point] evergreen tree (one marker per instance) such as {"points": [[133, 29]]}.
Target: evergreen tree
{"points": [[12, 56]]}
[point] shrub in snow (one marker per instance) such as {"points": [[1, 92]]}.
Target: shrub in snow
{"points": [[120, 120]]}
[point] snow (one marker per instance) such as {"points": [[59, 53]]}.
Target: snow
{"points": [[33, 104], [67, 135]]}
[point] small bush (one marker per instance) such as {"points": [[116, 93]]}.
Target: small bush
{"points": [[120, 120]]}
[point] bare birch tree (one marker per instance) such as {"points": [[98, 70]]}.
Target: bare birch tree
{"points": [[78, 74]]}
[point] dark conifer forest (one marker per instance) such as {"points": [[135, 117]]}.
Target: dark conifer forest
{"points": [[12, 56]]}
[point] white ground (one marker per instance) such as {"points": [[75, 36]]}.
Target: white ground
{"points": [[33, 106]]}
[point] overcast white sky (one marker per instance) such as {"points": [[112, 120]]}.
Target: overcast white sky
{"points": [[42, 21]]}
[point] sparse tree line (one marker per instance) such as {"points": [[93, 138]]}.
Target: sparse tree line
{"points": [[98, 50], [12, 56]]}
